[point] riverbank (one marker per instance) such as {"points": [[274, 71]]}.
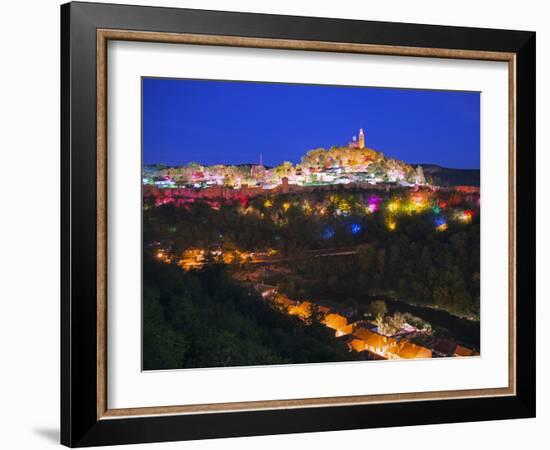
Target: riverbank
{"points": [[445, 324]]}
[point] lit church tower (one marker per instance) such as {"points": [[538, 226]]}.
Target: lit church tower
{"points": [[361, 139]]}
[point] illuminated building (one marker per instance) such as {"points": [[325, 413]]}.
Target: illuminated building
{"points": [[302, 310], [408, 350], [358, 143], [373, 342], [464, 351], [338, 323]]}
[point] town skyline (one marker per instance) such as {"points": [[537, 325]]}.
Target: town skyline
{"points": [[195, 120]]}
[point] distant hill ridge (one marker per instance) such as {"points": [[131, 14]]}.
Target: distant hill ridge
{"points": [[445, 176]]}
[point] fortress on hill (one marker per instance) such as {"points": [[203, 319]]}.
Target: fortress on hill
{"points": [[355, 143], [337, 165]]}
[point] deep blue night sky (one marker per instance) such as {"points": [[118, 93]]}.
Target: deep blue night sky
{"points": [[224, 122]]}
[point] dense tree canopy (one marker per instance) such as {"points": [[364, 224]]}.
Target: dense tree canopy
{"points": [[413, 261], [204, 319]]}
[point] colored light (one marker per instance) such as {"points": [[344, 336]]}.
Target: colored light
{"points": [[393, 206], [355, 228], [328, 233], [374, 202], [464, 216], [468, 215], [286, 206], [268, 203], [391, 224], [440, 224], [439, 220], [243, 201], [375, 199]]}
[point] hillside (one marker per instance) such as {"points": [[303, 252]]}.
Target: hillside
{"points": [[443, 176], [205, 319]]}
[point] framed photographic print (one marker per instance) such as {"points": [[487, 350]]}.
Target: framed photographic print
{"points": [[276, 224]]}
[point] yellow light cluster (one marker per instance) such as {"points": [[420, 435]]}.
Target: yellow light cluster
{"points": [[307, 208], [302, 310], [393, 206], [391, 224], [464, 216]]}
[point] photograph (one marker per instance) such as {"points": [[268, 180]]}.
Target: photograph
{"points": [[302, 223], [279, 222]]}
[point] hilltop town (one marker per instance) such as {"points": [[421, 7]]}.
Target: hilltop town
{"points": [[352, 163], [319, 242]]}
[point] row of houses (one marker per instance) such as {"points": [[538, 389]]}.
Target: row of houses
{"points": [[386, 347], [362, 336]]}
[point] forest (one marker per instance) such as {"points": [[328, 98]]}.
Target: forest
{"points": [[204, 319], [439, 272], [425, 254]]}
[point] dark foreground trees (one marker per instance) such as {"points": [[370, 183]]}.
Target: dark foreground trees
{"points": [[204, 319]]}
